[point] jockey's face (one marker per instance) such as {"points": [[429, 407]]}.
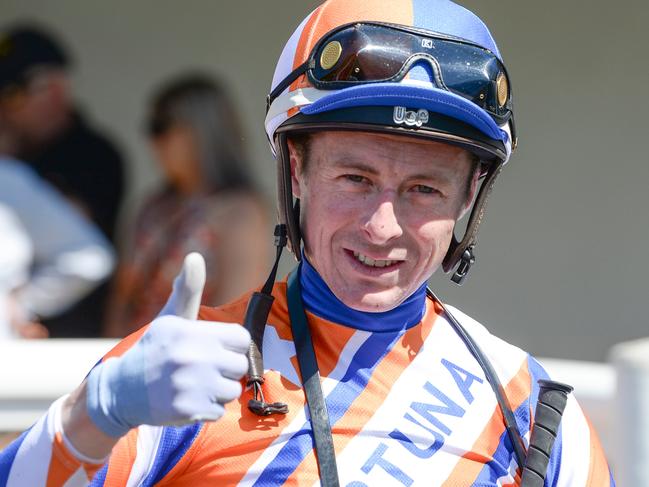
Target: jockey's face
{"points": [[378, 211]]}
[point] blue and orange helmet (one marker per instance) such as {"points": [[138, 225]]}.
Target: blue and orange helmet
{"points": [[421, 68]]}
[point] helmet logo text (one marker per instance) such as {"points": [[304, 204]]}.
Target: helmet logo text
{"points": [[410, 118]]}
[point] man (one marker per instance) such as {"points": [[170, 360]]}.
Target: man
{"points": [[40, 125], [383, 116], [51, 256]]}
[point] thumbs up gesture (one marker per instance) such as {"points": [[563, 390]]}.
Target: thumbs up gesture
{"points": [[185, 298], [182, 370]]}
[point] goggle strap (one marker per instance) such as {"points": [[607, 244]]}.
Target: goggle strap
{"points": [[286, 82]]}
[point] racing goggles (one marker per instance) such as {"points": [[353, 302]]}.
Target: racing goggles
{"points": [[366, 52]]}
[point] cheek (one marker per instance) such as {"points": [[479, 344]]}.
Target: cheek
{"points": [[175, 151], [324, 217], [163, 159], [171, 154], [326, 206], [435, 236]]}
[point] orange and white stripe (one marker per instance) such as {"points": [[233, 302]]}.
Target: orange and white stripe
{"points": [[44, 457], [237, 449]]}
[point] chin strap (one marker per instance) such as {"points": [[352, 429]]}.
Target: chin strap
{"points": [[255, 322], [289, 211], [466, 261], [461, 254]]}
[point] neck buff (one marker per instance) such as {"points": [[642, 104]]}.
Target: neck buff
{"points": [[319, 300]]}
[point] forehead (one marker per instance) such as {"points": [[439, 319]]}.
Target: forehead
{"points": [[400, 153]]}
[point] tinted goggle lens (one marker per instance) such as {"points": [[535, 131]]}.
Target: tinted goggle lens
{"points": [[366, 53]]}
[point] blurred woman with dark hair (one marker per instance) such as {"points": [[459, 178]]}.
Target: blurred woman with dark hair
{"points": [[208, 204]]}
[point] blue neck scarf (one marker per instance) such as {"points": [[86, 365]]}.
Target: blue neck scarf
{"points": [[319, 300]]}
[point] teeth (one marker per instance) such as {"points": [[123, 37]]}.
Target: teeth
{"points": [[373, 263]]}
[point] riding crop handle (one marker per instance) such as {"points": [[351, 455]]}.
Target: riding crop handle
{"points": [[553, 397], [255, 322]]}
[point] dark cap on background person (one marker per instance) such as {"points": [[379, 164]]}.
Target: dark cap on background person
{"points": [[24, 48]]}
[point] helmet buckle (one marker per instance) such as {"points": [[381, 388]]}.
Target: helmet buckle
{"points": [[466, 261], [280, 236]]}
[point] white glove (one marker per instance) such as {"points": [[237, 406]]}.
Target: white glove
{"points": [[182, 370]]}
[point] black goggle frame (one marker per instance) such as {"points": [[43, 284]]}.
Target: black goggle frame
{"points": [[452, 60]]}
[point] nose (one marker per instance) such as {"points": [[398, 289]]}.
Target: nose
{"points": [[383, 224]]}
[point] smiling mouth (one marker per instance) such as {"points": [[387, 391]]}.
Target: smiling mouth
{"points": [[369, 262]]}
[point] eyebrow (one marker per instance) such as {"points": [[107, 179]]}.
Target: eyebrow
{"points": [[436, 176], [360, 166], [432, 176]]}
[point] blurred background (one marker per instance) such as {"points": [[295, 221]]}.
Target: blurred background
{"points": [[561, 262], [561, 265]]}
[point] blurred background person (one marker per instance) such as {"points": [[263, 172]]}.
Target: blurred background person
{"points": [[51, 256], [15, 259], [40, 124], [208, 204]]}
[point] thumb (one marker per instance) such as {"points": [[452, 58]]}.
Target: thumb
{"points": [[185, 298]]}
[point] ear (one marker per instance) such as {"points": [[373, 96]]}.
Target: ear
{"points": [[472, 191], [296, 169]]}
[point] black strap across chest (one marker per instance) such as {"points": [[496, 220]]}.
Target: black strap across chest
{"points": [[324, 445], [324, 449]]}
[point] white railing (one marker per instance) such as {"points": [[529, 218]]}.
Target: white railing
{"points": [[615, 396], [33, 373], [595, 385], [631, 411]]}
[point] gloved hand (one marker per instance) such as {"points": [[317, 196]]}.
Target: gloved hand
{"points": [[182, 370]]}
